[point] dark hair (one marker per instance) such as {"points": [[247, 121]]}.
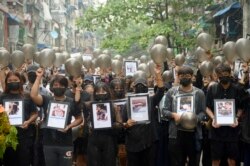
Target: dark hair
{"points": [[117, 81], [17, 74], [185, 70], [101, 85], [222, 67], [60, 79]]}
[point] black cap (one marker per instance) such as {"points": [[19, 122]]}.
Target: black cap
{"points": [[141, 81], [32, 68]]}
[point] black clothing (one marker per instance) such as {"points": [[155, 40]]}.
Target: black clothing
{"points": [[54, 137], [216, 91], [23, 155], [142, 136]]}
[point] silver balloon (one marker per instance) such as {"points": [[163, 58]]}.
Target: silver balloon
{"points": [[4, 58], [179, 59], [46, 57], [206, 68], [229, 51], [130, 58], [107, 52], [140, 74], [143, 59], [170, 54], [79, 58], [73, 67], [36, 57], [56, 49], [29, 51], [117, 66], [59, 59], [205, 41], [144, 67], [218, 59], [96, 52], [201, 54], [242, 47], [104, 61], [119, 57], [188, 120], [17, 58], [87, 62], [158, 53], [167, 76], [161, 40], [66, 55]]}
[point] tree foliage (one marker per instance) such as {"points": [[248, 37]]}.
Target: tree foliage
{"points": [[129, 22]]}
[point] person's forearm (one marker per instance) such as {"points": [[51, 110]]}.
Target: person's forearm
{"points": [[35, 88], [209, 113], [78, 120], [32, 117]]}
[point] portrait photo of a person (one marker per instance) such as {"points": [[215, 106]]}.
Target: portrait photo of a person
{"points": [[58, 111], [185, 104], [101, 112], [13, 108], [139, 106]]}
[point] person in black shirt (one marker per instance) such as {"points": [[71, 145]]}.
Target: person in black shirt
{"points": [[140, 139], [224, 139], [102, 143], [81, 97], [57, 142], [23, 155]]}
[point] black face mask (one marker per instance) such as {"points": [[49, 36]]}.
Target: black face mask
{"points": [[185, 81], [141, 89], [225, 79], [102, 97], [13, 85], [32, 77], [119, 94], [58, 91]]}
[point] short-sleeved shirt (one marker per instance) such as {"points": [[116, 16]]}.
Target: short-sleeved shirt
{"points": [[216, 91], [28, 107], [54, 136]]}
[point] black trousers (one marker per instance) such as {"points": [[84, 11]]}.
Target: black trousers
{"points": [[182, 148], [101, 150], [23, 156], [145, 157], [58, 155]]}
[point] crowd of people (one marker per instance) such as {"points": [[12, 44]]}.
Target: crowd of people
{"points": [[161, 141]]}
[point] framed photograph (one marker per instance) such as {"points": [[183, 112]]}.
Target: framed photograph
{"points": [[130, 67], [96, 78], [185, 103], [57, 115], [139, 108], [101, 115], [224, 110], [15, 112], [119, 107]]}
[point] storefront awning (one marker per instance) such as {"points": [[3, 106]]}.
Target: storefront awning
{"points": [[12, 19], [235, 5]]}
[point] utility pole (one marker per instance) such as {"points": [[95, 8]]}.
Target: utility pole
{"points": [[246, 17]]}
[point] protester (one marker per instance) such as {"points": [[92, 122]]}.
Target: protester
{"points": [[57, 143], [224, 139], [183, 141], [141, 138], [23, 155]]}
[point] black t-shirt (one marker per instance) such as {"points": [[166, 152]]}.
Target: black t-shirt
{"points": [[216, 91], [28, 107], [142, 136], [53, 136]]}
